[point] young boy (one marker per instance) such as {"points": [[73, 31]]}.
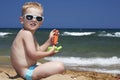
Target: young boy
{"points": [[25, 50]]}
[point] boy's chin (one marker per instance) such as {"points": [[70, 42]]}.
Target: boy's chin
{"points": [[33, 27]]}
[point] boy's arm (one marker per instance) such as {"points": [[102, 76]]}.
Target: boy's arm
{"points": [[45, 46], [31, 49]]}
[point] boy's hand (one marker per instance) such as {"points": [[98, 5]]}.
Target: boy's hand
{"points": [[52, 50], [54, 36], [51, 34]]}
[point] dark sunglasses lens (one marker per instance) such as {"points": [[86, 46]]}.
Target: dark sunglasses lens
{"points": [[29, 17], [39, 18]]}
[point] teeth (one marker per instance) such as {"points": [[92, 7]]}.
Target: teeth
{"points": [[33, 24]]}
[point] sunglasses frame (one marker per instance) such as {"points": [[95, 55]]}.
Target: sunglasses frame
{"points": [[34, 17]]}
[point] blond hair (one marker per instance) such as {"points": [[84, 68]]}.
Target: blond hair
{"points": [[31, 5]]}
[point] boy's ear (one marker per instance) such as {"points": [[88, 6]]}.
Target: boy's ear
{"points": [[21, 20]]}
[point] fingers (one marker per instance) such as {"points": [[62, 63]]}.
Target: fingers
{"points": [[52, 50], [52, 33], [55, 37]]}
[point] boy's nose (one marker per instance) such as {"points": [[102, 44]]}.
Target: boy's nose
{"points": [[34, 19]]}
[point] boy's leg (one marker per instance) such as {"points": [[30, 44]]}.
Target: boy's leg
{"points": [[47, 69]]}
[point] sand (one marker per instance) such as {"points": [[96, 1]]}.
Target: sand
{"points": [[8, 73]]}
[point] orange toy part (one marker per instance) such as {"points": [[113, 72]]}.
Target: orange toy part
{"points": [[55, 37]]}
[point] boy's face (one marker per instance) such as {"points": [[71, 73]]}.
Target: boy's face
{"points": [[32, 19]]}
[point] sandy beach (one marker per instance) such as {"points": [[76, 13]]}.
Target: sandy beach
{"points": [[8, 73]]}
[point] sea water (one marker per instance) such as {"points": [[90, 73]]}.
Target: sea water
{"points": [[83, 49]]}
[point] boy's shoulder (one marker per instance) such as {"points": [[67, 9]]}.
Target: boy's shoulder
{"points": [[24, 33]]}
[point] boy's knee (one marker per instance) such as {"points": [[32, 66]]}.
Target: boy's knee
{"points": [[60, 66], [35, 77]]}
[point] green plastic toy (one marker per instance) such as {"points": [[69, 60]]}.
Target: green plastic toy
{"points": [[56, 48]]}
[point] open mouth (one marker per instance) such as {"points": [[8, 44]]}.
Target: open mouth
{"points": [[33, 24]]}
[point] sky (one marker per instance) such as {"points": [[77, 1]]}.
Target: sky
{"points": [[65, 13]]}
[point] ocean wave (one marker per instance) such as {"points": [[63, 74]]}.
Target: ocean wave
{"points": [[104, 34], [77, 33], [105, 65], [2, 34], [116, 71], [99, 34], [87, 61]]}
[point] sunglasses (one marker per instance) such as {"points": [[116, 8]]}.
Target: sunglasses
{"points": [[30, 17]]}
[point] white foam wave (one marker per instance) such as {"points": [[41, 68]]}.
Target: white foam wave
{"points": [[116, 34], [104, 65], [103, 34], [116, 71], [77, 33], [87, 61], [2, 34]]}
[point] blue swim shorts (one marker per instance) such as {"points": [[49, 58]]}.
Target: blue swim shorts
{"points": [[28, 75]]}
